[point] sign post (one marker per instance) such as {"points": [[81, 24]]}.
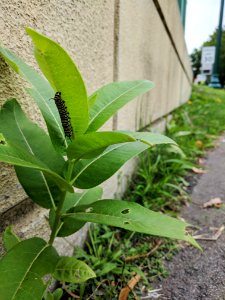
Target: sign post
{"points": [[208, 59]]}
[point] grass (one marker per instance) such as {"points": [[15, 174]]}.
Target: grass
{"points": [[162, 183]]}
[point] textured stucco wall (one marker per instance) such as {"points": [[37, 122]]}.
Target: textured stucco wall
{"points": [[151, 46], [86, 30], [109, 40]]}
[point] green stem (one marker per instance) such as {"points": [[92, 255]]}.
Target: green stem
{"points": [[57, 219], [58, 213]]}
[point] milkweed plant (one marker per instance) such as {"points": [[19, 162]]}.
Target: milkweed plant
{"points": [[72, 154]]}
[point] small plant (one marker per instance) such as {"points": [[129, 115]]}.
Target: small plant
{"points": [[73, 154]]}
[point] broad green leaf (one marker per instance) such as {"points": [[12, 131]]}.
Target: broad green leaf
{"points": [[64, 77], [39, 186], [69, 269], [41, 92], [111, 98], [18, 129], [131, 216], [91, 172], [11, 154], [92, 144], [10, 239], [22, 269], [77, 199]]}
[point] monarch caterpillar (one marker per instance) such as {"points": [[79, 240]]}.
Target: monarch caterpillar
{"points": [[64, 115]]}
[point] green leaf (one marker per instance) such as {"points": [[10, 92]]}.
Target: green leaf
{"points": [[91, 100], [41, 92], [84, 198], [92, 144], [10, 239], [39, 186], [56, 295], [112, 97], [22, 269], [150, 138], [48, 296], [64, 77], [91, 172], [69, 269], [73, 200], [131, 216], [11, 154], [2, 139], [18, 129]]}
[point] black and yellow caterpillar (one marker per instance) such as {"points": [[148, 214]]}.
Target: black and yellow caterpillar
{"points": [[64, 115]]}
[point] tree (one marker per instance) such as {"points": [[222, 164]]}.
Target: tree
{"points": [[212, 42], [196, 61]]}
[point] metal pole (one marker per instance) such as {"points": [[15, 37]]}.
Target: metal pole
{"points": [[215, 82]]}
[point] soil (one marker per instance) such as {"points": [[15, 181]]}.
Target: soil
{"points": [[194, 274]]}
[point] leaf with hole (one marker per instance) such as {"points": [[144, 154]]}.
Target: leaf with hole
{"points": [[131, 216], [77, 199]]}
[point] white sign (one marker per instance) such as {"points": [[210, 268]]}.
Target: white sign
{"points": [[208, 58]]}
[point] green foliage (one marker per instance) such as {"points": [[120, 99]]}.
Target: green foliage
{"points": [[23, 267], [161, 183], [110, 98], [63, 75], [94, 143], [56, 295], [69, 269], [108, 251], [130, 216], [40, 91], [47, 173], [18, 129]]}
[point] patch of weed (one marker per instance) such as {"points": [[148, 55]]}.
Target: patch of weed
{"points": [[116, 256]]}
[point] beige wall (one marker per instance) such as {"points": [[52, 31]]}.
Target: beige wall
{"points": [[109, 40]]}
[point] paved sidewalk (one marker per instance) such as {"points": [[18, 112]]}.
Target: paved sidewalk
{"points": [[196, 275]]}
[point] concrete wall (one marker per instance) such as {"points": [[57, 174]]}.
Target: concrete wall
{"points": [[109, 40]]}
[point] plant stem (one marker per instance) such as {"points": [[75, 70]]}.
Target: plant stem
{"points": [[58, 213], [57, 219]]}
